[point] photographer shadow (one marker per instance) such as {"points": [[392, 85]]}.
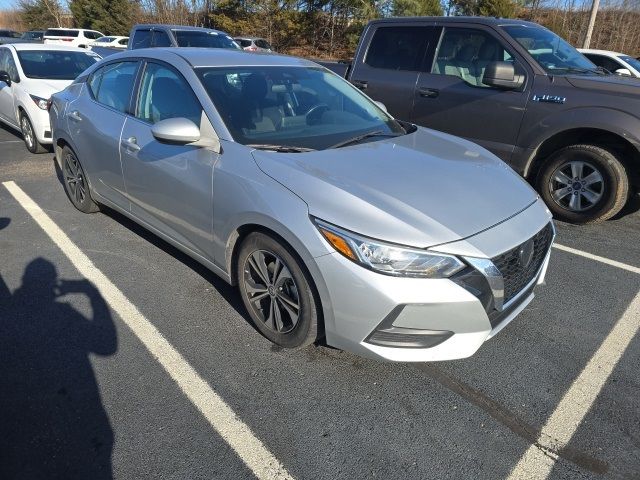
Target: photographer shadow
{"points": [[53, 422]]}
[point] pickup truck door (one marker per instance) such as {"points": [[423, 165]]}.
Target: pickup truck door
{"points": [[451, 97], [388, 69]]}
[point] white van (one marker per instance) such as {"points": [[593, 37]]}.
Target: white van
{"points": [[73, 37]]}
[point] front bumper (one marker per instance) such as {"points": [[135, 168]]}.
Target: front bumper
{"points": [[417, 320]]}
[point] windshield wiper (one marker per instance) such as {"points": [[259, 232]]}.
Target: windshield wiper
{"points": [[359, 138], [597, 71], [279, 148]]}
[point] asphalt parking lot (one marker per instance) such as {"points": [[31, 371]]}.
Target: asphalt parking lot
{"points": [[122, 358]]}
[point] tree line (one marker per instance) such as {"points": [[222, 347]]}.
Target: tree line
{"points": [[331, 28]]}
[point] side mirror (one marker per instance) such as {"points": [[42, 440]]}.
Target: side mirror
{"points": [[5, 77], [179, 131], [502, 75], [381, 105], [623, 72]]}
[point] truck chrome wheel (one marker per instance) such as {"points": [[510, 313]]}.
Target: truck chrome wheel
{"points": [[576, 186]]}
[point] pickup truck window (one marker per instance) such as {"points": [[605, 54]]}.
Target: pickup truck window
{"points": [[398, 48], [141, 39], [465, 53], [550, 51], [203, 39], [160, 39], [300, 107]]}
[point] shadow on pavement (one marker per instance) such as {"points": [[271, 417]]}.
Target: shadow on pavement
{"points": [[53, 422]]}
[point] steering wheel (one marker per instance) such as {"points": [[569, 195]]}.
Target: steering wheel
{"points": [[314, 114]]}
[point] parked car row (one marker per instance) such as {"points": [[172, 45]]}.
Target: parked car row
{"points": [[520, 91], [333, 218]]}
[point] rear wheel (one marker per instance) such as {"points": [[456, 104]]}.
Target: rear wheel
{"points": [[29, 135], [583, 184], [277, 292], [75, 182]]}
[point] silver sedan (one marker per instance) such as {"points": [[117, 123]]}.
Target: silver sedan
{"points": [[334, 219]]}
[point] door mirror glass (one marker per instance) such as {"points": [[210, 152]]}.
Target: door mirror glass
{"points": [[623, 71], [179, 131], [502, 75], [5, 77]]}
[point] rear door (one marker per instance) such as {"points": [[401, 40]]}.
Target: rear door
{"points": [[170, 186], [388, 71], [95, 121], [451, 97]]}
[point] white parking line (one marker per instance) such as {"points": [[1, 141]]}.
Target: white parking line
{"points": [[11, 141], [569, 413], [219, 415], [597, 258]]}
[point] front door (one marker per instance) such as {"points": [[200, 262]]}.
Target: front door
{"points": [[451, 97], [170, 186], [389, 71], [7, 107]]}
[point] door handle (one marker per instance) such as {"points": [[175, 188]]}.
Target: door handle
{"points": [[75, 116], [131, 144], [361, 84], [428, 92]]}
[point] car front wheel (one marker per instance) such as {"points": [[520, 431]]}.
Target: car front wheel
{"points": [[29, 135], [583, 184], [277, 292]]}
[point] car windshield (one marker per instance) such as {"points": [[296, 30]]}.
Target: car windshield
{"points": [[635, 63], [551, 52], [299, 107], [54, 64], [204, 39]]}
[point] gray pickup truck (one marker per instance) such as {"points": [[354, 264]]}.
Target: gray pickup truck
{"points": [[518, 90]]}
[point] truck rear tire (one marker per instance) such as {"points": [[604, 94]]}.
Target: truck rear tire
{"points": [[583, 184]]}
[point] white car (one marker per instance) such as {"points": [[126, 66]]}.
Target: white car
{"points": [[615, 62], [112, 42], [29, 74], [72, 37]]}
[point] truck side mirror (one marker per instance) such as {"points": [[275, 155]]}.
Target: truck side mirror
{"points": [[5, 77], [502, 75], [623, 72]]}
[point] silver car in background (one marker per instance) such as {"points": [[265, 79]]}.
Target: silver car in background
{"points": [[333, 219]]}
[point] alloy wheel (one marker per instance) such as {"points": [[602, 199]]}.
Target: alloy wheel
{"points": [[576, 185], [27, 132], [74, 178], [272, 291]]}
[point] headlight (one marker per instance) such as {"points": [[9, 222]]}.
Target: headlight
{"points": [[40, 102], [387, 258]]}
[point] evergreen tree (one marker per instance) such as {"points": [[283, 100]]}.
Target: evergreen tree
{"points": [[416, 8], [497, 8], [82, 14], [40, 14]]}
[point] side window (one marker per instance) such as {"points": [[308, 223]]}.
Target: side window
{"points": [[161, 39], [165, 94], [141, 39], [12, 70], [3, 59], [604, 62], [112, 84], [465, 53], [398, 48]]}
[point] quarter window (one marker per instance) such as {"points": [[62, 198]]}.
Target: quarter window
{"points": [[465, 53], [165, 94], [112, 84]]}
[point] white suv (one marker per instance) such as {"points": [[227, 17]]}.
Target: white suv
{"points": [[73, 37]]}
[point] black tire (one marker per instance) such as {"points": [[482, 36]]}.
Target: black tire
{"points": [[76, 185], [597, 200], [297, 287], [29, 135]]}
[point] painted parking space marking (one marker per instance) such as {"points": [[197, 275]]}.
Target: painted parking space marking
{"points": [[220, 416], [598, 258], [537, 463], [11, 141]]}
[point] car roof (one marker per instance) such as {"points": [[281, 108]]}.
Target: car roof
{"points": [[176, 27], [78, 29], [494, 21], [216, 57], [603, 52], [46, 47]]}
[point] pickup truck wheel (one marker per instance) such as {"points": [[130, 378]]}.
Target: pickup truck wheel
{"points": [[583, 184], [277, 292]]}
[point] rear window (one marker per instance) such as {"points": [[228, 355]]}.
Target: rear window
{"points": [[58, 32], [204, 39], [55, 64]]}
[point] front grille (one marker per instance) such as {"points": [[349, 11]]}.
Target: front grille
{"points": [[516, 275]]}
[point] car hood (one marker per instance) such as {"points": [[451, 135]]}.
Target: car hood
{"points": [[45, 88], [421, 189], [608, 84]]}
